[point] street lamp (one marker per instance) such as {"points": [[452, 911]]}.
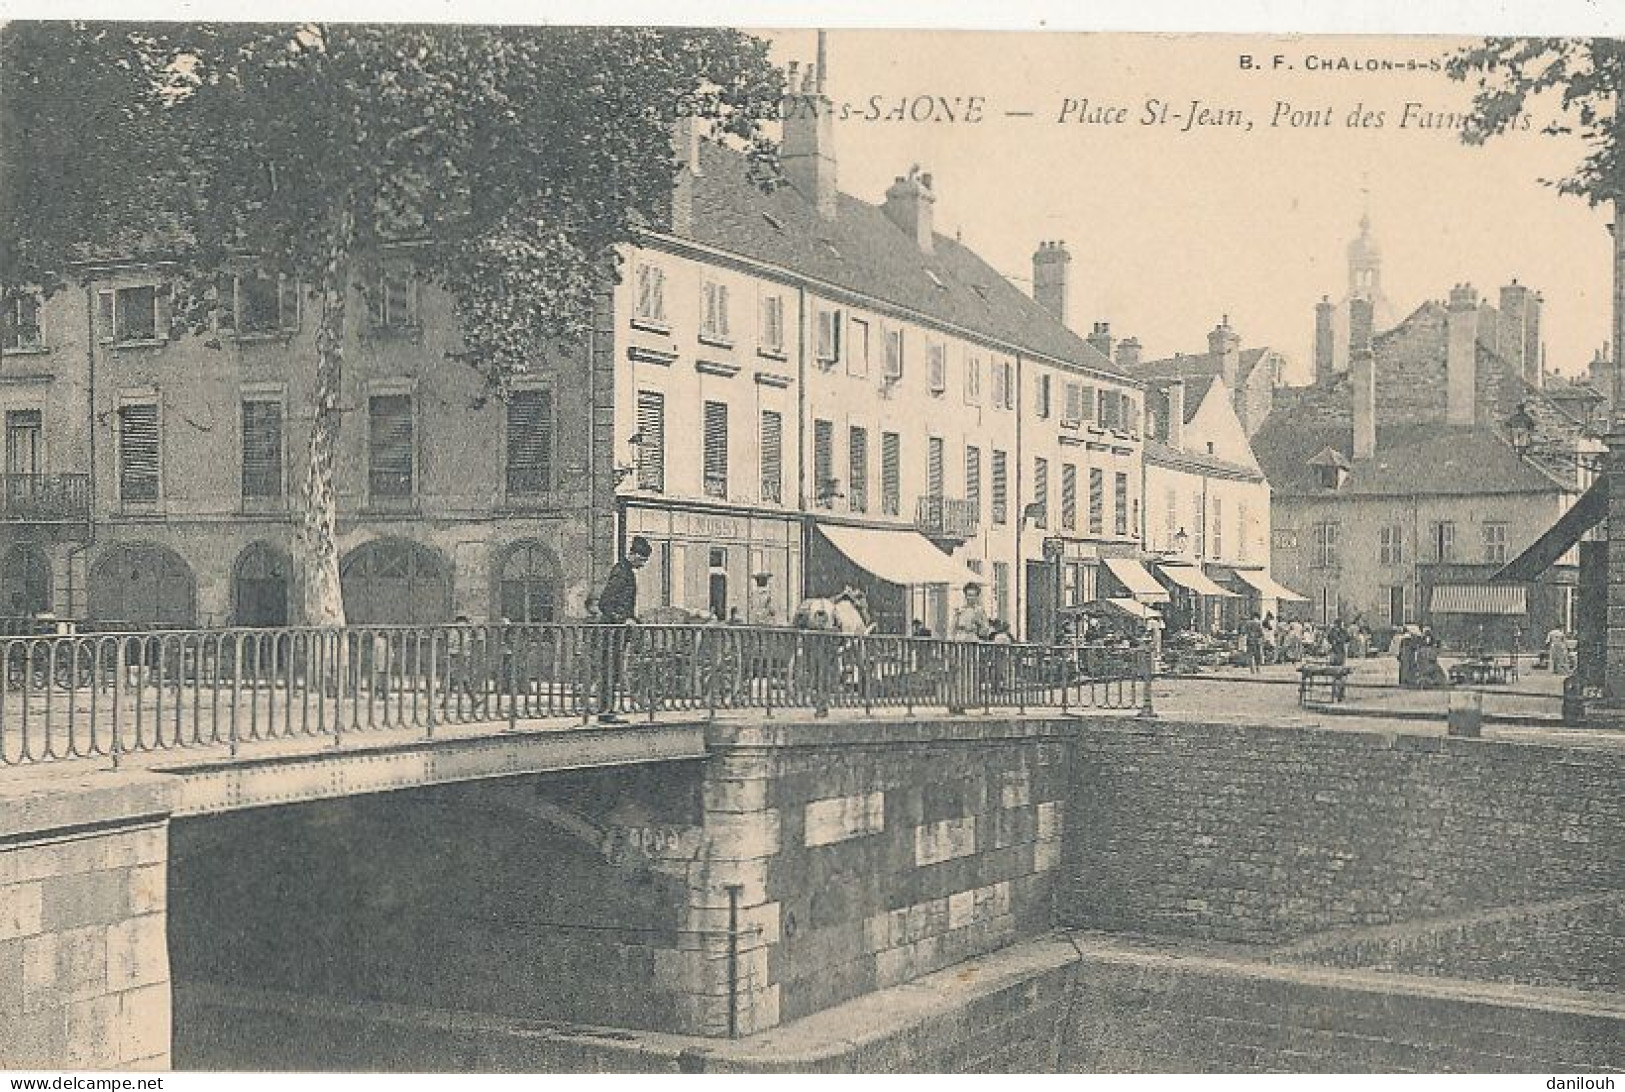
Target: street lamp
{"points": [[1181, 542], [1521, 435]]}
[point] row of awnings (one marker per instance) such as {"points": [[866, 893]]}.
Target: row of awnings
{"points": [[901, 556], [1146, 588]]}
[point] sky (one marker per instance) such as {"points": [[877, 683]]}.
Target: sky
{"points": [[1172, 225]]}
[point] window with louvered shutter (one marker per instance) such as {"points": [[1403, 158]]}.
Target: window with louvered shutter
{"points": [[262, 449], [973, 482], [933, 467], [1041, 491], [1072, 412], [1120, 496], [715, 452], [772, 457], [650, 305], [857, 457], [1086, 405], [1001, 590], [390, 469], [891, 473], [829, 336], [894, 353], [1131, 415], [714, 315], [823, 463], [1069, 497], [772, 332], [530, 442], [138, 452], [1043, 396], [651, 457], [1097, 501], [22, 322], [973, 379], [998, 385], [1001, 488]]}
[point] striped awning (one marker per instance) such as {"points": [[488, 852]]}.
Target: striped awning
{"points": [[1193, 579], [1133, 608], [1508, 599]]}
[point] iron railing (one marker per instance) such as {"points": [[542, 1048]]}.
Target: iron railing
{"points": [[110, 695], [45, 498], [946, 517]]}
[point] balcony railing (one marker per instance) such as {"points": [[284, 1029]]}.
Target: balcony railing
{"points": [[946, 518], [45, 498]]}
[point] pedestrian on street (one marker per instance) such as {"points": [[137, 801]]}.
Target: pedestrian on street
{"points": [[1252, 631], [618, 606], [1337, 643]]}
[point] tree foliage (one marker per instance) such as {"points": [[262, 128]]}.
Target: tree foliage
{"points": [[511, 160], [1587, 78]]}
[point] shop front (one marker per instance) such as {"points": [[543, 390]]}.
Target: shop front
{"points": [[905, 577], [1059, 586], [1255, 592], [1197, 602], [744, 566]]}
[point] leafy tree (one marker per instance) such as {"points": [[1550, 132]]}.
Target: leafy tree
{"points": [[1587, 78], [511, 160]]}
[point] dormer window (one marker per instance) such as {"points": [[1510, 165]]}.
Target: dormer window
{"points": [[1331, 469]]}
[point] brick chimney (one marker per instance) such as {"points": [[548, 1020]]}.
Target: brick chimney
{"points": [[807, 149], [1461, 356], [685, 140], [1051, 276], [1325, 354], [1534, 352], [1176, 413], [1225, 343], [1128, 353], [909, 202], [1362, 378], [1511, 326], [1101, 338]]}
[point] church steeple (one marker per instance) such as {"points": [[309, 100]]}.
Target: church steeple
{"points": [[1365, 263]]}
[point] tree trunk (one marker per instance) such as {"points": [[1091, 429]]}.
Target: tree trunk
{"points": [[1617, 395], [315, 544]]}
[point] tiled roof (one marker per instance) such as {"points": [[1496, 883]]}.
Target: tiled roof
{"points": [[1160, 454], [1196, 388], [862, 251], [1199, 365], [1410, 459]]}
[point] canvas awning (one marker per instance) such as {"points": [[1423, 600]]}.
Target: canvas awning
{"points": [[1133, 608], [1507, 599], [1267, 588], [1193, 579], [897, 556], [1133, 576]]}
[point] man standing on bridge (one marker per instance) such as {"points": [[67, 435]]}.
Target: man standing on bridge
{"points": [[617, 606]]}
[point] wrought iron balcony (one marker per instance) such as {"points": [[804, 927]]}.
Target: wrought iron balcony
{"points": [[45, 498], [950, 519]]}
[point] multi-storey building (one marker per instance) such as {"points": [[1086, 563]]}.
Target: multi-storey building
{"points": [[785, 390], [812, 389], [1397, 491], [191, 446]]}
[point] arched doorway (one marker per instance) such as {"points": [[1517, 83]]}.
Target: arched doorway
{"points": [[528, 585], [394, 582], [143, 585], [25, 581], [259, 586]]}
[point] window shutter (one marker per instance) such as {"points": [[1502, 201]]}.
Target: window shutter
{"points": [[262, 449], [973, 481], [1069, 497], [1043, 396], [1120, 494], [1097, 501], [857, 455], [1041, 490], [530, 442], [891, 473], [138, 452], [652, 441], [772, 457], [1087, 409], [391, 448], [1001, 487], [823, 459], [722, 310], [716, 449], [106, 318], [933, 467], [939, 366]]}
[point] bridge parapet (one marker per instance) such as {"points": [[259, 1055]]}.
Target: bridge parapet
{"points": [[83, 881]]}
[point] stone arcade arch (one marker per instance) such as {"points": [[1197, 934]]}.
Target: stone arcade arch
{"points": [[529, 585], [260, 586], [393, 581], [145, 585]]}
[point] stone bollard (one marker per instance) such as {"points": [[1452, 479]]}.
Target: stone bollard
{"points": [[1464, 715]]}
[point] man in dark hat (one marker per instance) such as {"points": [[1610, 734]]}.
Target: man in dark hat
{"points": [[618, 605]]}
